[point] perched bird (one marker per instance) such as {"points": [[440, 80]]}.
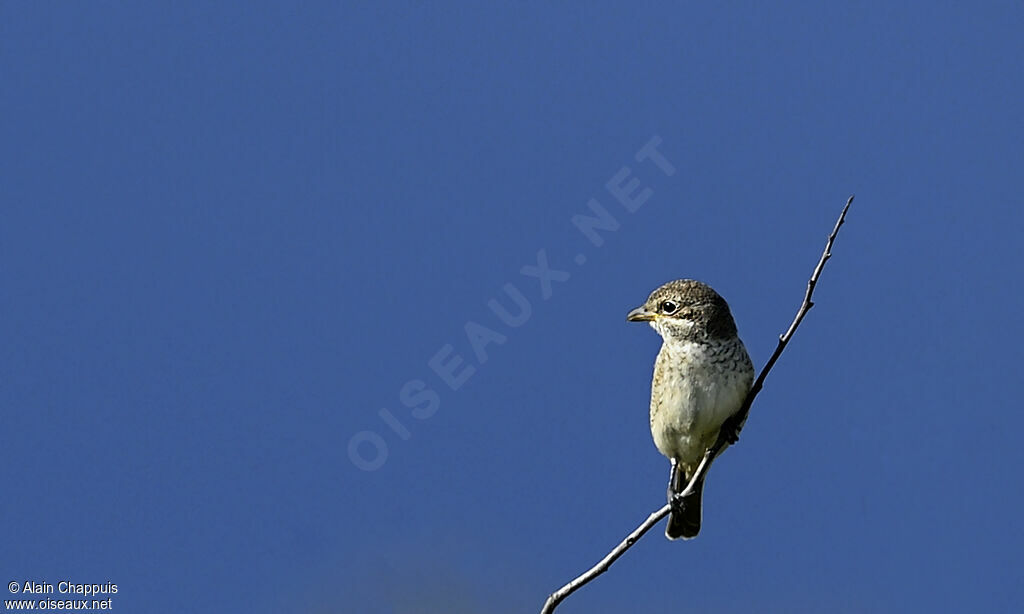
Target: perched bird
{"points": [[701, 377]]}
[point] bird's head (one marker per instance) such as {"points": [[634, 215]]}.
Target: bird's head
{"points": [[686, 310]]}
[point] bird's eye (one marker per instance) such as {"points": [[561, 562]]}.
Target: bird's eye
{"points": [[668, 307]]}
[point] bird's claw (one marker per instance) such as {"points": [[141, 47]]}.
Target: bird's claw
{"points": [[677, 502]]}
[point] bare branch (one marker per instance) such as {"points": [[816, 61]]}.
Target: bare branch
{"points": [[602, 566], [730, 432], [728, 435]]}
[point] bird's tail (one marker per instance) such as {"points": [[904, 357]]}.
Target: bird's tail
{"points": [[685, 522]]}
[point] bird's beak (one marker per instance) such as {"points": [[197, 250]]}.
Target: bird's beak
{"points": [[640, 314]]}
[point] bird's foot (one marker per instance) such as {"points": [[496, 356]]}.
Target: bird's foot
{"points": [[677, 502], [673, 477]]}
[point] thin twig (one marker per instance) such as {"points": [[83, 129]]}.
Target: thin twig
{"points": [[728, 435], [602, 566], [730, 431]]}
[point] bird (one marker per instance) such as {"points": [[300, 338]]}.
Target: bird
{"points": [[701, 377]]}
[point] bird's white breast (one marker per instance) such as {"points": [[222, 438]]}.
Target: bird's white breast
{"points": [[696, 387]]}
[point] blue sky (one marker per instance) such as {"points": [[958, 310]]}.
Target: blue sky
{"points": [[234, 234]]}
